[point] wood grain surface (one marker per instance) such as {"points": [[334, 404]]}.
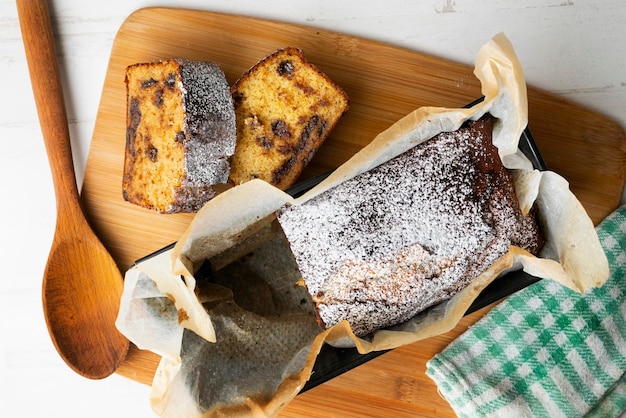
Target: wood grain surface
{"points": [[384, 83]]}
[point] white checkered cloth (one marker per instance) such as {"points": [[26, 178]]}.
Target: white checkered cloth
{"points": [[545, 351]]}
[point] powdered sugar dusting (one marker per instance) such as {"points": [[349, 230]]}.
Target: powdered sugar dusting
{"points": [[209, 135], [381, 247], [210, 124]]}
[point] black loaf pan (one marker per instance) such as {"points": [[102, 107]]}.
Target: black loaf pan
{"points": [[331, 361]]}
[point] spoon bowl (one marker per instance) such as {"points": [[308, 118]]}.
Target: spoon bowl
{"points": [[82, 284], [81, 294]]}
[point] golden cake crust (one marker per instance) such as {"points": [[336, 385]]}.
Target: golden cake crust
{"points": [[285, 109]]}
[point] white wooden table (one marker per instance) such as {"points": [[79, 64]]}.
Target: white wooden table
{"points": [[575, 49]]}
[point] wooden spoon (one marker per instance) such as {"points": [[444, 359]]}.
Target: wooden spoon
{"points": [[82, 284]]}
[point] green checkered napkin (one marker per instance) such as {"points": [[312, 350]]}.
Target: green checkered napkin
{"points": [[545, 351]]}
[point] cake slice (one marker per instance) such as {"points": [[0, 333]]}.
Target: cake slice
{"points": [[383, 246], [285, 110], [180, 134]]}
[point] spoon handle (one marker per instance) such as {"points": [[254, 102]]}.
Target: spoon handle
{"points": [[45, 77]]}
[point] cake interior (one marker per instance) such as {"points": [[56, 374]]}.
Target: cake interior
{"points": [[285, 108], [155, 167]]}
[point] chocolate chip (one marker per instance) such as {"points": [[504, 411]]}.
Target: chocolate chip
{"points": [[148, 83], [312, 125], [281, 129], [170, 81], [180, 137], [237, 97], [286, 68], [135, 113], [152, 153], [313, 129], [157, 98], [264, 142], [285, 149]]}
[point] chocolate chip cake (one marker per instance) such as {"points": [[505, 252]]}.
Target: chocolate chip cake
{"points": [[383, 246], [180, 134], [285, 109]]}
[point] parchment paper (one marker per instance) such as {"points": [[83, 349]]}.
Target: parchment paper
{"points": [[242, 220]]}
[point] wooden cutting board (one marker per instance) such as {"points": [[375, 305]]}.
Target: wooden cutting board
{"points": [[384, 83]]}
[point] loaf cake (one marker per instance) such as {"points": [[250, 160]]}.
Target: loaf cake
{"points": [[285, 109], [180, 134], [383, 246]]}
